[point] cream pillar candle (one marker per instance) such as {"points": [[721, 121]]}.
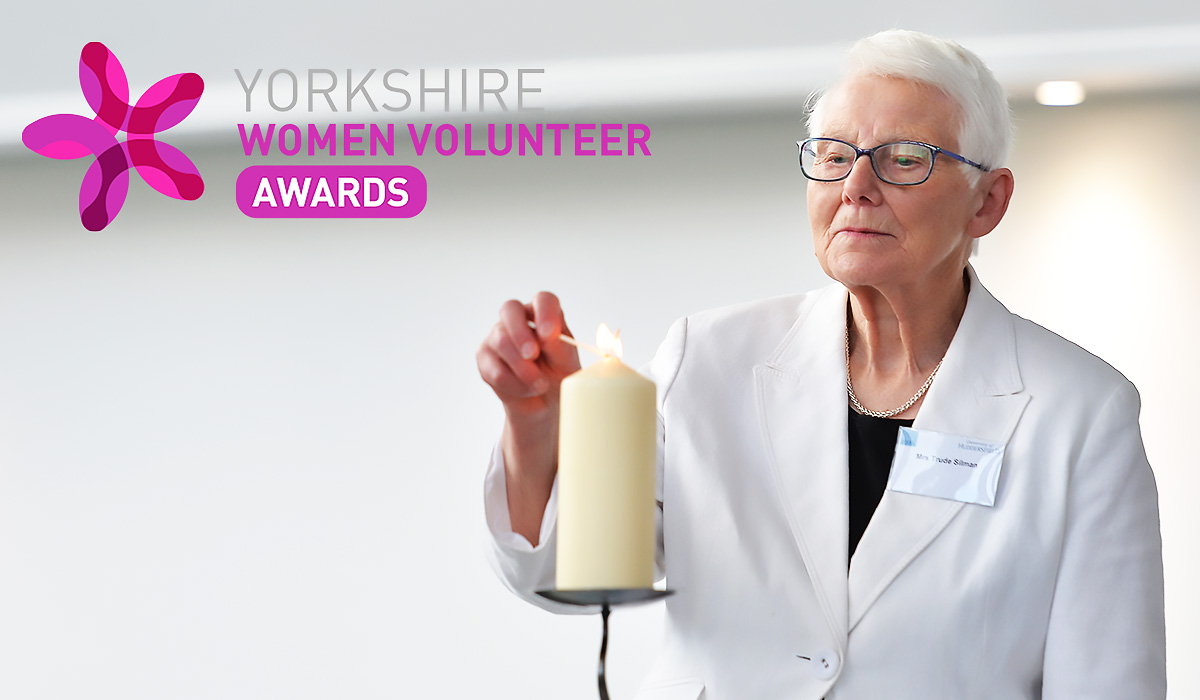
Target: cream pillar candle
{"points": [[606, 478]]}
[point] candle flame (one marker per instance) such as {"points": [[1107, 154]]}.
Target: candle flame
{"points": [[608, 342]]}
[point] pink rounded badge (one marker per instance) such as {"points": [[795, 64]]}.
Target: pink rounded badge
{"points": [[331, 191]]}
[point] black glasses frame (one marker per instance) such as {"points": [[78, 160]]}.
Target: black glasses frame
{"points": [[870, 153]]}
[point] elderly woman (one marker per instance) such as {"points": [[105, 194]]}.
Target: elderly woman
{"points": [[1005, 546]]}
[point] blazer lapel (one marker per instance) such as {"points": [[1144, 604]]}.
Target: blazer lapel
{"points": [[975, 395], [801, 398]]}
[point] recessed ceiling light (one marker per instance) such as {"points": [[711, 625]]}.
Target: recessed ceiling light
{"points": [[1060, 93]]}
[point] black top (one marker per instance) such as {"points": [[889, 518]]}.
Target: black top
{"points": [[872, 445]]}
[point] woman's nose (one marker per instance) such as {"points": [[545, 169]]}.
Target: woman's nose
{"points": [[861, 186]]}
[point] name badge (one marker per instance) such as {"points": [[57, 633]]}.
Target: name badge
{"points": [[946, 466]]}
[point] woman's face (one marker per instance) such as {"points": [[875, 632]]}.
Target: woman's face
{"points": [[869, 233]]}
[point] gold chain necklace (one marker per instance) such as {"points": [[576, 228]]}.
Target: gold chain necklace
{"points": [[895, 411]]}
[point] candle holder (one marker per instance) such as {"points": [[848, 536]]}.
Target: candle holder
{"points": [[606, 598]]}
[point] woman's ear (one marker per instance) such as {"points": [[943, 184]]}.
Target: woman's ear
{"points": [[998, 192]]}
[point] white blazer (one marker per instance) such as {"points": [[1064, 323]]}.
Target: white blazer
{"points": [[1054, 592]]}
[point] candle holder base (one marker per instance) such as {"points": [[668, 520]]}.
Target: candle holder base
{"points": [[606, 598]]}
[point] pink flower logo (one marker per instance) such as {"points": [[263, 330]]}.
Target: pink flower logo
{"points": [[163, 167]]}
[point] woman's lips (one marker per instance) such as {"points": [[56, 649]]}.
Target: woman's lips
{"points": [[862, 233]]}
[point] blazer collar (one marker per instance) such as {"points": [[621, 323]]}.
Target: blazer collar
{"points": [[801, 395]]}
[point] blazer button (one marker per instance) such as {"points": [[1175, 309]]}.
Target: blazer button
{"points": [[826, 664]]}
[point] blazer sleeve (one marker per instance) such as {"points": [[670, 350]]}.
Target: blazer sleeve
{"points": [[525, 569], [1106, 637]]}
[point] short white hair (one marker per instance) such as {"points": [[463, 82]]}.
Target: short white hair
{"points": [[985, 130]]}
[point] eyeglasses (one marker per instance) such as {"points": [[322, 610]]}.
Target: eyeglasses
{"points": [[900, 163]]}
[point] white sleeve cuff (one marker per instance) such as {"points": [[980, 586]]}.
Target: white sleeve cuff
{"points": [[495, 505]]}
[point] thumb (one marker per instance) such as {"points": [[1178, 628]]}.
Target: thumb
{"points": [[550, 325]]}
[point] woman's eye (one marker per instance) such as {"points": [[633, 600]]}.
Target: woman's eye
{"points": [[907, 159]]}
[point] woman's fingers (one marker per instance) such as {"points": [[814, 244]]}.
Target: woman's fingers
{"points": [[551, 325], [520, 376], [520, 362]]}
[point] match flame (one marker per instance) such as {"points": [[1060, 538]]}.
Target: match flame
{"points": [[608, 342]]}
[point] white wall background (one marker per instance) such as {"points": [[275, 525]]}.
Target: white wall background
{"points": [[242, 459]]}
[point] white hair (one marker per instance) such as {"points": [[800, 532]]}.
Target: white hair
{"points": [[985, 129]]}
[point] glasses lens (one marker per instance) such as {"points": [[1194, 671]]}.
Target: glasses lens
{"points": [[903, 163], [826, 159]]}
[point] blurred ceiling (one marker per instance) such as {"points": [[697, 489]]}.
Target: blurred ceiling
{"points": [[654, 56]]}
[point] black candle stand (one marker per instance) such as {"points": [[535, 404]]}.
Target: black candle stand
{"points": [[606, 598]]}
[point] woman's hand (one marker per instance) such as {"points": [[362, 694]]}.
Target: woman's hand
{"points": [[524, 366]]}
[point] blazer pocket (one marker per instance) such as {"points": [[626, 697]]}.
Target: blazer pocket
{"points": [[686, 689]]}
